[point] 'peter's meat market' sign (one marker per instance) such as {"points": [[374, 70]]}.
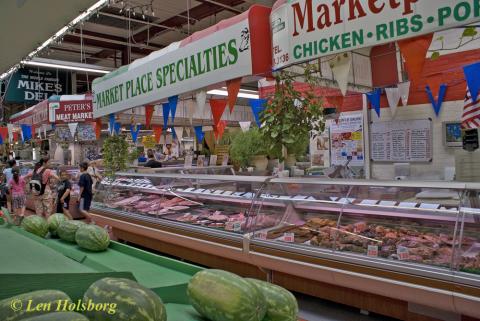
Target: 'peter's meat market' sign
{"points": [[308, 29], [74, 111]]}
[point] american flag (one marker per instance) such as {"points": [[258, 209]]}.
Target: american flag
{"points": [[471, 112]]}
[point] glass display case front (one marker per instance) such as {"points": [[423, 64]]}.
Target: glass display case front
{"points": [[428, 228], [209, 202]]}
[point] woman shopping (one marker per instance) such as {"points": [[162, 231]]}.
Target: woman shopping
{"points": [[17, 192], [41, 178]]}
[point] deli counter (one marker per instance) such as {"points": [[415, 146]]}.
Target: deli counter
{"points": [[413, 244]]}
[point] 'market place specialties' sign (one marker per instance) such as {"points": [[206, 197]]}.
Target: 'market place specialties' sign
{"points": [[210, 57], [308, 29]]}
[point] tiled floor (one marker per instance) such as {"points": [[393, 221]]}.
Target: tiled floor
{"points": [[313, 309]]}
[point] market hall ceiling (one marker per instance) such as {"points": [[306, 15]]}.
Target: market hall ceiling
{"points": [[115, 36], [25, 24]]}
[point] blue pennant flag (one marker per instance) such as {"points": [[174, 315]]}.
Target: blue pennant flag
{"points": [[26, 132], [472, 75], [172, 102], [199, 133], [166, 112], [374, 99], [258, 106], [117, 128], [174, 133], [134, 131], [53, 126], [1, 140], [111, 123], [437, 104]]}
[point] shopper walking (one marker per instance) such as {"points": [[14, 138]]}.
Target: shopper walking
{"points": [[17, 191], [40, 180], [95, 175], [8, 177], [152, 162], [85, 182], [63, 197]]}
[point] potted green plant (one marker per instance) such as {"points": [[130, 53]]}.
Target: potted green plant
{"points": [[248, 149], [297, 149], [116, 155]]}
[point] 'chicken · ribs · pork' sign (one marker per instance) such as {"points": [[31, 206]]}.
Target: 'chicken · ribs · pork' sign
{"points": [[307, 29]]}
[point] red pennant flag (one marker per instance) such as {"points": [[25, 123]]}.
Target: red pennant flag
{"points": [[157, 130], [414, 51], [98, 127], [33, 131], [336, 101], [4, 133], [218, 107], [434, 81], [15, 136], [233, 87], [219, 129], [149, 109]]}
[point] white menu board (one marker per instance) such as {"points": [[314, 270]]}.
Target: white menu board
{"points": [[346, 140], [401, 141]]}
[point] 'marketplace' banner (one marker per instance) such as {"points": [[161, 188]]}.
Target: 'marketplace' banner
{"points": [[307, 29]]}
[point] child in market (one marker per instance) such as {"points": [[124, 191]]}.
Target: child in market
{"points": [[17, 191], [63, 196], [86, 193]]}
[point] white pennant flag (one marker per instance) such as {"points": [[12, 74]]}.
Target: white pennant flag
{"points": [[162, 139], [340, 66], [190, 110], [201, 99], [179, 132], [393, 96], [10, 132], [245, 125], [44, 127], [404, 89], [73, 128]]}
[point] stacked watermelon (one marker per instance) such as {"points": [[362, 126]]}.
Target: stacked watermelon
{"points": [[36, 225], [92, 237], [223, 296], [54, 222], [67, 230]]}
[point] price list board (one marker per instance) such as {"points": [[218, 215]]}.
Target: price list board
{"points": [[401, 141]]}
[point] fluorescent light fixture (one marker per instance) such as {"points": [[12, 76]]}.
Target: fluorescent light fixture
{"points": [[244, 93], [98, 5], [64, 66]]}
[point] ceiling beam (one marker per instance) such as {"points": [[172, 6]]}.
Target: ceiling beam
{"points": [[225, 6]]}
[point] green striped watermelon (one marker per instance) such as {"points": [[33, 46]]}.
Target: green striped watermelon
{"points": [[21, 302], [223, 296], [92, 237], [36, 225], [58, 316], [281, 304], [66, 230], [134, 301], [54, 221]]}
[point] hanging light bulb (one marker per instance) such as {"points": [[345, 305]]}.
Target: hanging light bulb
{"points": [[153, 13], [121, 10], [134, 13]]}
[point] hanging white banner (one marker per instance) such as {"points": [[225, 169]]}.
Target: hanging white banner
{"points": [[179, 132], [10, 132], [73, 128], [201, 99], [245, 125], [207, 128], [393, 97], [404, 89], [340, 66]]}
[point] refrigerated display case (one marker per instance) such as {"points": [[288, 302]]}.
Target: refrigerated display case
{"points": [[357, 242]]}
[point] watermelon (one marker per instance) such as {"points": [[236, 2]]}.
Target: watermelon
{"points": [[54, 221], [21, 302], [58, 316], [67, 229], [281, 304], [223, 296], [134, 302], [36, 225], [92, 237]]}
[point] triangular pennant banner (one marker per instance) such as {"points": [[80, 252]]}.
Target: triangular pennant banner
{"points": [[174, 133], [4, 133], [134, 130], [201, 98], [437, 103], [414, 51], [149, 109], [340, 66], [179, 132], [472, 75], [245, 125], [26, 132], [10, 132], [199, 133], [393, 97], [117, 127], [73, 128], [157, 130], [98, 127], [434, 81], [172, 102], [1, 140], [257, 105], [233, 87], [218, 107], [374, 99], [166, 113], [404, 91], [219, 129]]}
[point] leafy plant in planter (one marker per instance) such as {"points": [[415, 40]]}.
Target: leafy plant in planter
{"points": [[116, 155], [247, 145], [290, 116]]}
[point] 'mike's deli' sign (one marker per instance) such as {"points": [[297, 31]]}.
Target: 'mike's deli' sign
{"points": [[70, 111], [307, 29], [233, 48]]}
